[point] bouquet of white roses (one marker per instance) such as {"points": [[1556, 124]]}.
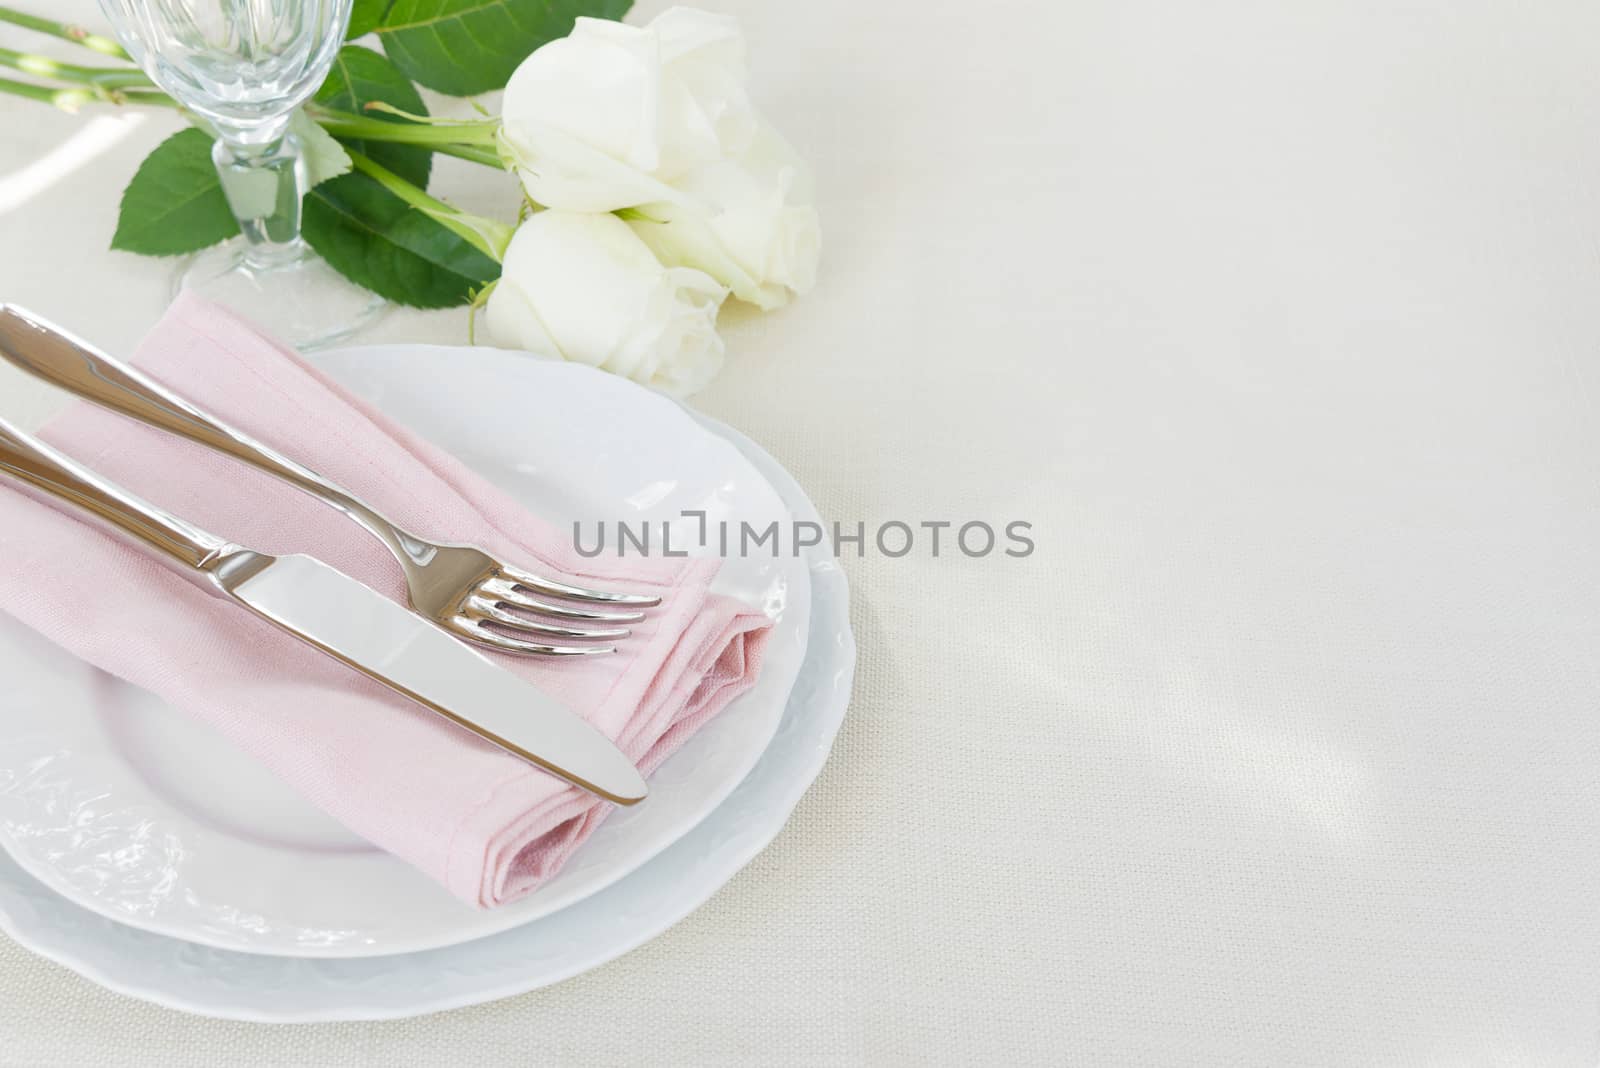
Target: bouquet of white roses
{"points": [[653, 187]]}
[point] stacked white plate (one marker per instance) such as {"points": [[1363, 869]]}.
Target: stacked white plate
{"points": [[147, 854]]}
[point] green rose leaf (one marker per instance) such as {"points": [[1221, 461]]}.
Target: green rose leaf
{"points": [[360, 76], [175, 203], [380, 242], [462, 47], [367, 233], [325, 158], [365, 15]]}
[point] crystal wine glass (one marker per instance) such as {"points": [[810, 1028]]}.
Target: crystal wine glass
{"points": [[244, 66]]}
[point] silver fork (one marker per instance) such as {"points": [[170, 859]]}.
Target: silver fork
{"points": [[458, 587]]}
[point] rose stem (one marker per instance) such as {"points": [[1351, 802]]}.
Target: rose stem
{"points": [[108, 78], [487, 235], [76, 34]]}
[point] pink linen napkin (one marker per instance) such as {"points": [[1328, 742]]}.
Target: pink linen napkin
{"points": [[486, 825]]}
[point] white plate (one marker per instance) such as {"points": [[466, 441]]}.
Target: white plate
{"points": [[133, 810], [240, 986]]}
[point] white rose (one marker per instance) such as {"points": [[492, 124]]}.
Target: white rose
{"points": [[748, 222], [608, 116], [655, 120], [584, 287]]}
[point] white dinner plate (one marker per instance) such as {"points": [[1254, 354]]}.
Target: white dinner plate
{"points": [[131, 809], [239, 986]]}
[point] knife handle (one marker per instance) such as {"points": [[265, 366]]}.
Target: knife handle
{"points": [[52, 355], [54, 478]]}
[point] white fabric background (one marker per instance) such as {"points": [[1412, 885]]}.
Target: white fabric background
{"points": [[1280, 322]]}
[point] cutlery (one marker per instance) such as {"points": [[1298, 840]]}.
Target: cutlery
{"points": [[460, 588], [344, 619]]}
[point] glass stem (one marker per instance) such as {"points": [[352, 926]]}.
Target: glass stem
{"points": [[264, 181]]}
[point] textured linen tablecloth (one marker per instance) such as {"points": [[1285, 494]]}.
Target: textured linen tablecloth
{"points": [[1281, 324]]}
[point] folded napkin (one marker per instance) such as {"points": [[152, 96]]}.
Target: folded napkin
{"points": [[486, 825]]}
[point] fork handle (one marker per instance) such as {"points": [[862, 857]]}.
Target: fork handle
{"points": [[52, 355], [49, 475]]}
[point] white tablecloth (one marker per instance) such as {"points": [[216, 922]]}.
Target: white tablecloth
{"points": [[1281, 324]]}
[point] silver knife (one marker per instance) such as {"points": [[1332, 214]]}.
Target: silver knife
{"points": [[348, 621]]}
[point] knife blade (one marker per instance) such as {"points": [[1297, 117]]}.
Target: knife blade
{"points": [[344, 619]]}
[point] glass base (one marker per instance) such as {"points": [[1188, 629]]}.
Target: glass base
{"points": [[295, 296]]}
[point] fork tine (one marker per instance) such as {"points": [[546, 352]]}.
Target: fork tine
{"points": [[507, 592], [574, 593], [479, 608], [483, 635]]}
